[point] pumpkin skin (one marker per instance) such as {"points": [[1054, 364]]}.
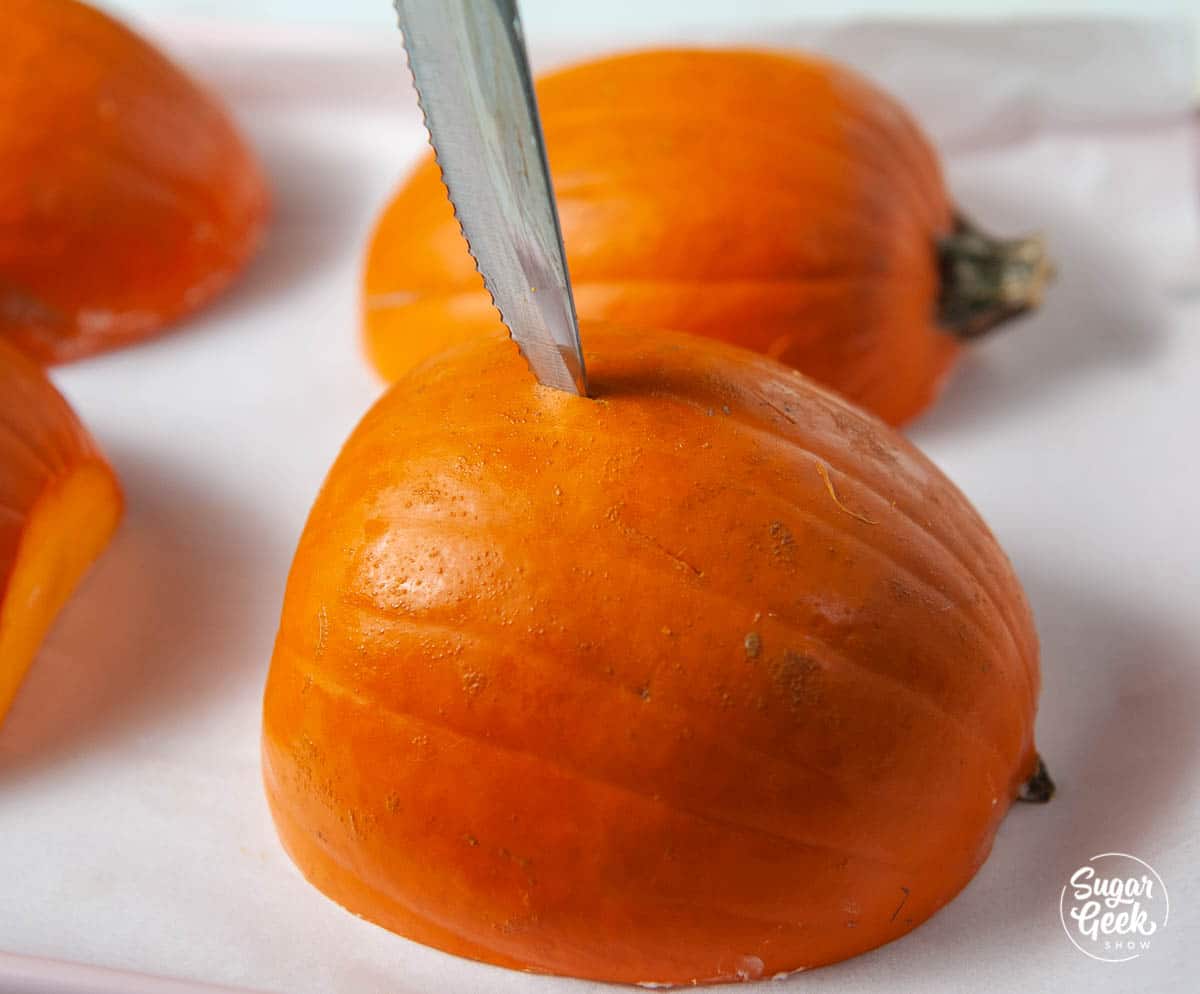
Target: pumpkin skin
{"points": [[59, 505], [708, 677], [127, 197], [778, 202]]}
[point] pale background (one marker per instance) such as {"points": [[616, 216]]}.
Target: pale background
{"points": [[613, 18], [572, 15]]}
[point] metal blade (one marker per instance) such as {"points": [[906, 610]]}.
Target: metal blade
{"points": [[472, 76]]}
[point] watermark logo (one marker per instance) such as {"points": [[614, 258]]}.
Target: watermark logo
{"points": [[1114, 907]]}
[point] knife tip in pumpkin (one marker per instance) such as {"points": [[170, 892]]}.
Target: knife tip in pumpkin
{"points": [[59, 505], [776, 201], [128, 199], [709, 676]]}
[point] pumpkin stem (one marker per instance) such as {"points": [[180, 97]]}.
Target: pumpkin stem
{"points": [[1039, 788], [986, 281]]}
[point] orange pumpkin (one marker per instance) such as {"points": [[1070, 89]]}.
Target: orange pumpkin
{"points": [[127, 198], [59, 505], [709, 676], [777, 202]]}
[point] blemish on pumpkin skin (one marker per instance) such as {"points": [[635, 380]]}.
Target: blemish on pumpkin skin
{"points": [[823, 472], [781, 537], [753, 645], [514, 925], [750, 968], [796, 675], [613, 514], [522, 861], [473, 682], [322, 631], [786, 415]]}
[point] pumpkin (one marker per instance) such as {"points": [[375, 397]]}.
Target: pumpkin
{"points": [[59, 505], [707, 676], [127, 197], [778, 202]]}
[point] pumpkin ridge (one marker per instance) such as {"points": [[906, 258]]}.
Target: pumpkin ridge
{"points": [[784, 622], [831, 778], [835, 406], [390, 896], [1005, 624], [920, 212], [835, 402], [41, 454], [834, 659], [806, 513], [337, 689], [916, 527], [915, 175], [826, 526], [877, 371], [532, 963], [855, 110], [866, 94], [961, 610], [882, 275], [450, 292], [911, 241], [711, 593], [776, 923], [39, 458], [842, 658]]}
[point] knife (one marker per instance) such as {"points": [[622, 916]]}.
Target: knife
{"points": [[475, 88]]}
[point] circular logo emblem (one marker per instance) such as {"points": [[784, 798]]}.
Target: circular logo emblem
{"points": [[1114, 907]]}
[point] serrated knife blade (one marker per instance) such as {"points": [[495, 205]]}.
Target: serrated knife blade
{"points": [[474, 84]]}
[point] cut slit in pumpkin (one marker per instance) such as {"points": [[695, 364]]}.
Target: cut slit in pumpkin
{"points": [[66, 529]]}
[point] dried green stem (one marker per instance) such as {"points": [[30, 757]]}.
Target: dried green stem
{"points": [[1039, 788], [987, 281]]}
